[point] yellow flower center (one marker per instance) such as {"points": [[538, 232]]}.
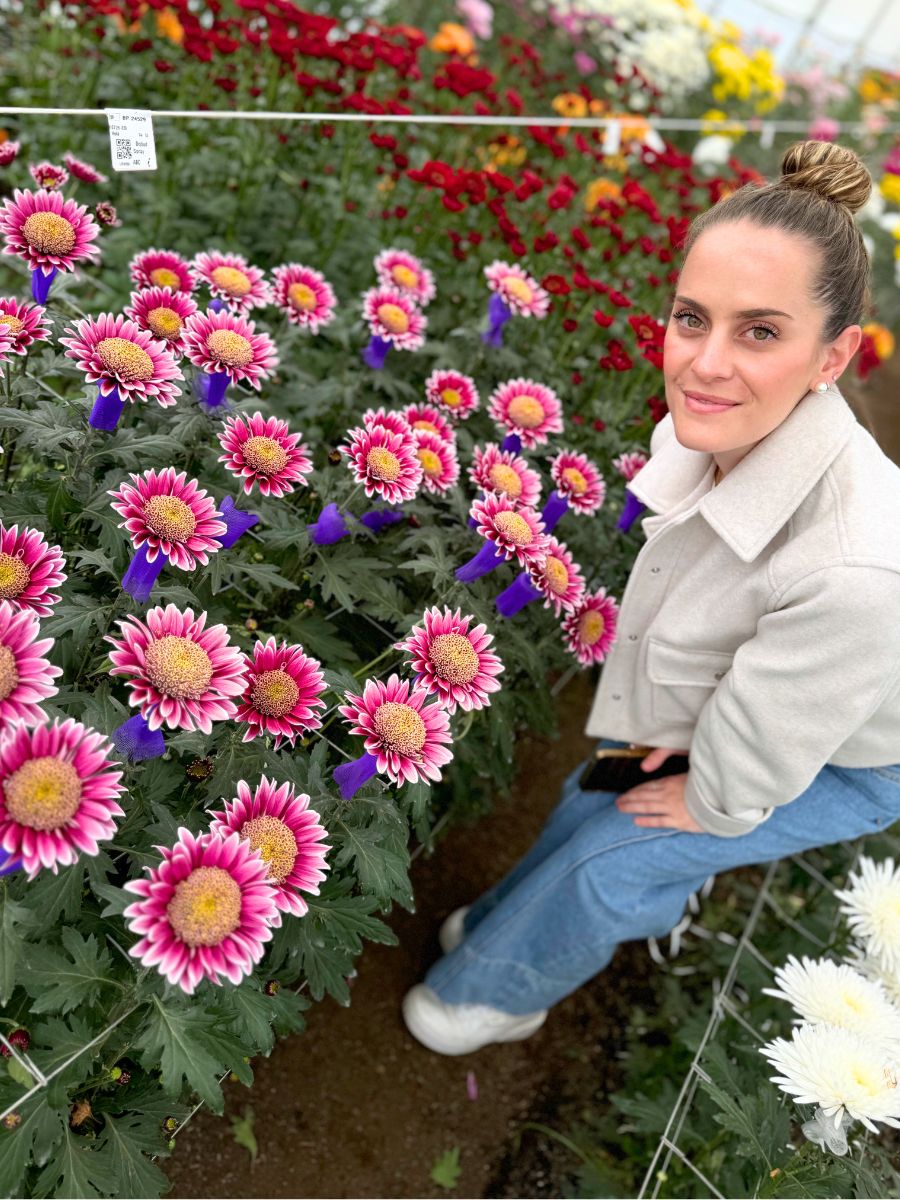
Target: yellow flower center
{"points": [[43, 793], [231, 280], [382, 463], [302, 296], [392, 317], [451, 397], [432, 428], [229, 348], [206, 907], [14, 577], [400, 728], [16, 324], [557, 574], [405, 276], [48, 180], [526, 411], [169, 518], [518, 287], [264, 454], [431, 463], [125, 360], [505, 479], [9, 675], [49, 233], [514, 528], [575, 480], [590, 627], [276, 843], [178, 667], [454, 658], [163, 277], [164, 322], [274, 693]]}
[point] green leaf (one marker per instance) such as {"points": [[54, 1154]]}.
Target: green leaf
{"points": [[96, 558], [242, 1132], [379, 855], [189, 1045], [60, 982], [19, 1073], [52, 895], [31, 1141], [129, 1139], [446, 1171], [78, 1169], [265, 575], [12, 917], [77, 616], [338, 573]]}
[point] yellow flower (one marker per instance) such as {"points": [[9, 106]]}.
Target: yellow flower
{"points": [[570, 104], [870, 90], [616, 162], [882, 339], [452, 39], [733, 130], [168, 26], [600, 189], [889, 187]]}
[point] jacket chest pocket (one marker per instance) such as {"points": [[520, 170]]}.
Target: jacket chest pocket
{"points": [[682, 679]]}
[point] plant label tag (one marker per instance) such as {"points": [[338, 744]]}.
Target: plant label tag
{"points": [[131, 143], [612, 138]]}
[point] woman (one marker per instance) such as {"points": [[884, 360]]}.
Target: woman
{"points": [[760, 626]]}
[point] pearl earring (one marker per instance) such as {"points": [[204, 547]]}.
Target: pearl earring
{"points": [[821, 387]]}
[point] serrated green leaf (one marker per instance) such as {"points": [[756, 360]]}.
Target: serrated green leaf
{"points": [[52, 895], [242, 1132], [189, 1046], [446, 1170], [33, 1140], [14, 919], [265, 575], [129, 1140], [60, 982], [78, 1169]]}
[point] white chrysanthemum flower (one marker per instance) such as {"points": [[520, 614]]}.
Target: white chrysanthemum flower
{"points": [[873, 968], [872, 906], [840, 1071], [834, 993]]}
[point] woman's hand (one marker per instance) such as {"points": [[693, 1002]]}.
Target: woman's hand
{"points": [[660, 802]]}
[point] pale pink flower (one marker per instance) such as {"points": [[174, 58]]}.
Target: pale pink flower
{"points": [[590, 630], [506, 473], [171, 515], [261, 450], [407, 737], [558, 578], [47, 232], [385, 463], [454, 393], [227, 343], [231, 278], [519, 291], [528, 409], [120, 357], [408, 274], [515, 530], [305, 295], [579, 481], [453, 661], [162, 311], [394, 318], [162, 268]]}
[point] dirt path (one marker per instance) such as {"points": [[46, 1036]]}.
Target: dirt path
{"points": [[355, 1107]]}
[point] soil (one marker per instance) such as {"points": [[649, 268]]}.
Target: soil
{"points": [[356, 1107]]}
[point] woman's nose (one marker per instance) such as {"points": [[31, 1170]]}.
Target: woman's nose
{"points": [[713, 357]]}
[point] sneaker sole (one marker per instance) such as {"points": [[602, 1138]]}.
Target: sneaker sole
{"points": [[432, 1039]]}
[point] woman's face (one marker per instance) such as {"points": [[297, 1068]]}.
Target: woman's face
{"points": [[744, 330]]}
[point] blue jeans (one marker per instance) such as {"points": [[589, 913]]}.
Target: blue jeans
{"points": [[593, 879]]}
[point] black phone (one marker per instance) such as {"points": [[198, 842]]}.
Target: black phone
{"points": [[618, 769]]}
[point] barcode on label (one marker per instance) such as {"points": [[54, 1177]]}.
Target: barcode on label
{"points": [[123, 147]]}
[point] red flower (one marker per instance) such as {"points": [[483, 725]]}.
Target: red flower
{"points": [[647, 330], [602, 319], [556, 285]]}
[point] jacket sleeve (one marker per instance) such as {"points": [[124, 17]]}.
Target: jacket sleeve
{"points": [[821, 662]]}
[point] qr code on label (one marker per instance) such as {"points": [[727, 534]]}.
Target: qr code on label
{"points": [[123, 147]]}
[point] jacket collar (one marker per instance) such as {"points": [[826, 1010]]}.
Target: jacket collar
{"points": [[758, 496]]}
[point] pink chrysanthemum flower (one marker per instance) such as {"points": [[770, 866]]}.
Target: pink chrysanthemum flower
{"points": [[231, 278], [263, 451], [162, 268], [455, 394], [426, 418], [170, 514], [394, 318], [578, 481], [506, 473], [440, 466], [305, 295], [515, 530], [225, 343], [629, 464], [48, 232], [118, 356], [84, 171], [590, 630], [6, 344], [26, 677], [162, 312], [29, 568], [58, 794], [278, 822], [183, 675], [453, 662], [530, 410], [407, 737], [387, 418], [205, 912], [519, 291], [558, 578], [408, 274], [48, 175], [8, 152], [24, 323], [385, 462], [283, 690]]}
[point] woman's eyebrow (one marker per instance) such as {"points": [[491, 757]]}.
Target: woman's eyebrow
{"points": [[744, 312]]}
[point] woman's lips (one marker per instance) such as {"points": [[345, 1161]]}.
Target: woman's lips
{"points": [[694, 404]]}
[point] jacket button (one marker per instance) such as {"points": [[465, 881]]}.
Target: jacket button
{"points": [[632, 637], [616, 696], [654, 570], [719, 675]]}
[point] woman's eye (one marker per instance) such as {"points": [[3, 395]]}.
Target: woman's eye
{"points": [[765, 329], [691, 316], [686, 315]]}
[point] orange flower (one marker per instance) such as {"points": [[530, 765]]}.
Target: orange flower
{"points": [[453, 39], [570, 104], [168, 26], [632, 126], [882, 339], [134, 27], [600, 189]]}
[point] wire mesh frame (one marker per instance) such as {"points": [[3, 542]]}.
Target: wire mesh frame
{"points": [[723, 1005]]}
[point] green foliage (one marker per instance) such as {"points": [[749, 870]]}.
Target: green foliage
{"points": [[446, 1170]]}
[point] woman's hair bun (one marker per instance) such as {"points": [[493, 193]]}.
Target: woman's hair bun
{"points": [[829, 170]]}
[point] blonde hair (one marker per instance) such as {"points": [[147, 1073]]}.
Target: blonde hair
{"points": [[820, 187]]}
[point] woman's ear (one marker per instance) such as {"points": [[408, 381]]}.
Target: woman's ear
{"points": [[841, 351]]}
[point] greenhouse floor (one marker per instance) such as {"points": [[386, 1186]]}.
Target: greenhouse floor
{"points": [[355, 1107]]}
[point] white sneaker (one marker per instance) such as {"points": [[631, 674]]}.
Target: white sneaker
{"points": [[451, 933], [462, 1028]]}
